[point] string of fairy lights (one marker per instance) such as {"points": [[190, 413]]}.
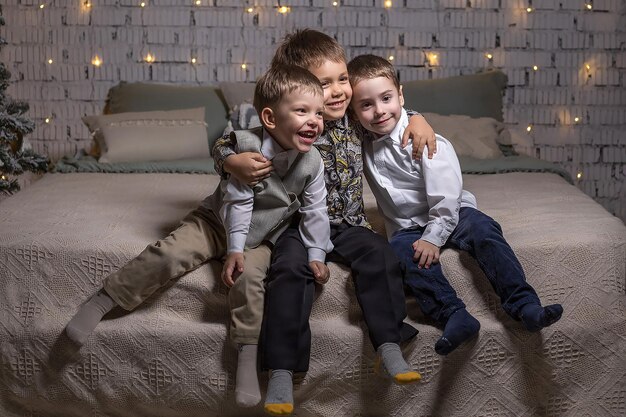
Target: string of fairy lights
{"points": [[432, 57]]}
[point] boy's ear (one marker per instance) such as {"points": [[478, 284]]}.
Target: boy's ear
{"points": [[267, 118], [401, 96]]}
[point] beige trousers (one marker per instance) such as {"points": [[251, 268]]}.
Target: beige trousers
{"points": [[199, 237]]}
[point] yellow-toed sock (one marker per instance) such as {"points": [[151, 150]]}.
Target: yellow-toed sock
{"points": [[279, 409], [279, 397], [390, 363], [407, 377]]}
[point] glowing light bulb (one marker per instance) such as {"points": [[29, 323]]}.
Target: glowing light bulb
{"points": [[194, 60], [588, 67], [50, 61], [96, 61], [388, 3], [391, 58], [335, 3], [3, 177], [87, 4], [47, 120], [283, 9], [142, 4], [244, 66], [579, 175], [489, 56], [576, 119], [150, 58], [433, 59], [250, 9], [535, 68], [41, 6], [589, 6], [529, 128], [198, 2], [529, 9]]}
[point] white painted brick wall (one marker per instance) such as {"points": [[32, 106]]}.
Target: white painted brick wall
{"points": [[561, 37]]}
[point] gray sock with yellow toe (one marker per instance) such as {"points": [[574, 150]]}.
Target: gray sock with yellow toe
{"points": [[395, 365], [279, 399]]}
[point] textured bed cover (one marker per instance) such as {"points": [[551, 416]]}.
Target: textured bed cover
{"points": [[61, 236]]}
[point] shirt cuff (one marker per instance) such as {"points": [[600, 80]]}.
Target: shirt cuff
{"points": [[433, 235], [316, 254], [236, 242]]}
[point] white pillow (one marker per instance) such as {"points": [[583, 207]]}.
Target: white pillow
{"points": [[150, 136], [475, 137]]}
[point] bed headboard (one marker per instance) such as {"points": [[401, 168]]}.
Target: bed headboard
{"points": [[476, 95]]}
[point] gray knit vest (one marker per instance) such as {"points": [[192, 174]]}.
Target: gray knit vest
{"points": [[275, 199]]}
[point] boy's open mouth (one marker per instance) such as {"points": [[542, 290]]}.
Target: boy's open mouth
{"points": [[307, 136], [335, 104]]}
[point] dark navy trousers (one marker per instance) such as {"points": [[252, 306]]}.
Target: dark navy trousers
{"points": [[481, 236]]}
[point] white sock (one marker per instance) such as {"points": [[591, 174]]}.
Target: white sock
{"points": [[247, 391]]}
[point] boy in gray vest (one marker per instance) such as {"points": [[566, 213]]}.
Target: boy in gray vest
{"points": [[241, 223]]}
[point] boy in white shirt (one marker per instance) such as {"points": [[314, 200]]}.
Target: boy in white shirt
{"points": [[425, 208], [241, 223]]}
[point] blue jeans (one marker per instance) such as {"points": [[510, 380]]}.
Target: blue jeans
{"points": [[482, 237]]}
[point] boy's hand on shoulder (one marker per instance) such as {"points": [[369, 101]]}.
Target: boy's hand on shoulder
{"points": [[233, 267], [426, 253], [248, 167], [320, 271], [422, 134]]}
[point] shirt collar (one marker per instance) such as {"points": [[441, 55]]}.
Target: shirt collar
{"points": [[398, 130], [270, 148], [342, 123]]}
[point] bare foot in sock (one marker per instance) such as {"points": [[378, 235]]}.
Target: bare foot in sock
{"points": [[460, 327], [279, 398], [247, 391], [88, 316], [535, 317], [394, 364]]}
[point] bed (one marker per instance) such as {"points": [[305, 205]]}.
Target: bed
{"points": [[63, 234]]}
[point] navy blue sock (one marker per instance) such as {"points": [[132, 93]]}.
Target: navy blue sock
{"points": [[460, 327], [535, 317]]}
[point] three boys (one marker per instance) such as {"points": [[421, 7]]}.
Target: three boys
{"points": [[285, 338]]}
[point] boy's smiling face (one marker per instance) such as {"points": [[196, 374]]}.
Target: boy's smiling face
{"points": [[295, 121], [337, 90], [377, 103]]}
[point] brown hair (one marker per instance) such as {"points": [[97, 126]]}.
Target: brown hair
{"points": [[281, 80], [308, 48], [366, 67]]}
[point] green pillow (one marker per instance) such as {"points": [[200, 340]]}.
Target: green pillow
{"points": [[476, 95], [141, 97]]}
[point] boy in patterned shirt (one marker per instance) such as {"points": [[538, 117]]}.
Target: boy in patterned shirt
{"points": [[375, 269]]}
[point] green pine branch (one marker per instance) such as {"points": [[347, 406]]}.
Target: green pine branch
{"points": [[15, 156]]}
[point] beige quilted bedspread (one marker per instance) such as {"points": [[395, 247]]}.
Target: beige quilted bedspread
{"points": [[62, 235]]}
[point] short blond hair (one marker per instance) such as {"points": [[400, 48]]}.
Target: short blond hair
{"points": [[281, 80], [308, 48], [366, 67]]}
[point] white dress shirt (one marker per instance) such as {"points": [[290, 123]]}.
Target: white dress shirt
{"points": [[236, 211], [412, 193]]}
